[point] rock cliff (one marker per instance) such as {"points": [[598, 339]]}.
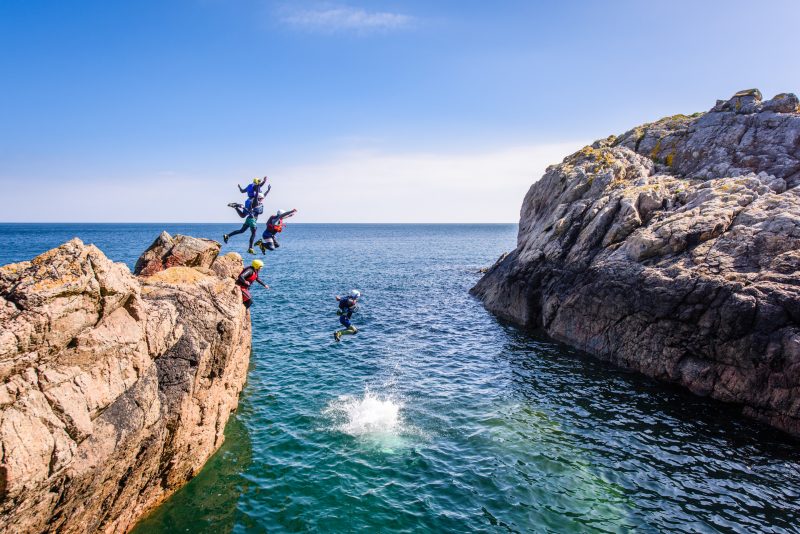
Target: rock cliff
{"points": [[673, 250], [115, 388]]}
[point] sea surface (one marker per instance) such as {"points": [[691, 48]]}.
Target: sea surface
{"points": [[437, 417]]}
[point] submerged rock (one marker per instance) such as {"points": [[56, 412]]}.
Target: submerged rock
{"points": [[115, 388], [673, 250]]}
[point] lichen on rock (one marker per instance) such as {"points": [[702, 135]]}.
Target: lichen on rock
{"points": [[674, 250], [115, 388]]}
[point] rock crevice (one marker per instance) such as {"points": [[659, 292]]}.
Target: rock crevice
{"points": [[115, 387], [673, 250]]}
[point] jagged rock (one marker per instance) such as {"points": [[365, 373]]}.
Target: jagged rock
{"points": [[746, 101], [167, 251], [501, 258], [673, 250], [228, 266], [115, 389], [782, 103]]}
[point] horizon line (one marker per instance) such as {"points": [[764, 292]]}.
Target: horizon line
{"points": [[39, 223]]}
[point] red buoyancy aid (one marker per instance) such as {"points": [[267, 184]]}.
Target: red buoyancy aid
{"points": [[274, 228], [251, 277]]}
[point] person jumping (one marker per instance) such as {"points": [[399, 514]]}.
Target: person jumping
{"points": [[249, 212], [246, 279], [347, 306], [254, 189], [269, 239]]}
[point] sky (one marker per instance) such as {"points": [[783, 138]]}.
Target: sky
{"points": [[382, 111]]}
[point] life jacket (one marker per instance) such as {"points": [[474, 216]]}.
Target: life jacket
{"points": [[249, 278], [253, 207], [347, 305], [274, 228]]}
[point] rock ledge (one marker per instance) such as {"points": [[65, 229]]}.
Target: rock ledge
{"points": [[115, 388], [673, 250]]}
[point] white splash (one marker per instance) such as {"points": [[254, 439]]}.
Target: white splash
{"points": [[369, 415]]}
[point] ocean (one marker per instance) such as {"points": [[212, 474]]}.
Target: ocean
{"points": [[437, 417]]}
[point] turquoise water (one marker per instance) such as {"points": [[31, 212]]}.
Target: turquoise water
{"points": [[438, 418]]}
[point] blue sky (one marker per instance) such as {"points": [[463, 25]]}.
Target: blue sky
{"points": [[410, 111]]}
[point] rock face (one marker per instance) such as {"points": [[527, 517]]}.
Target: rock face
{"points": [[115, 388], [673, 250], [167, 251]]}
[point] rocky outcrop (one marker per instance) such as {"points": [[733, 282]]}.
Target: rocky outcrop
{"points": [[167, 251], [673, 250], [115, 388]]}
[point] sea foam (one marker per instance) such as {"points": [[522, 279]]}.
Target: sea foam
{"points": [[366, 415]]}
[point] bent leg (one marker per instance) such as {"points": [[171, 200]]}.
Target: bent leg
{"points": [[247, 300], [239, 231], [349, 331]]}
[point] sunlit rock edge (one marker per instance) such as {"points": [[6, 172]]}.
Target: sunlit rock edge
{"points": [[673, 250], [115, 388]]}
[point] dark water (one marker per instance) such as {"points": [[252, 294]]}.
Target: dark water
{"points": [[437, 418]]}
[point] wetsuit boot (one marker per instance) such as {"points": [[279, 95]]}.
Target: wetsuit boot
{"points": [[349, 331]]}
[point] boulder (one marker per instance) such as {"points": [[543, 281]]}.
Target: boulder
{"points": [[782, 103], [166, 252], [673, 250], [115, 388], [228, 266]]}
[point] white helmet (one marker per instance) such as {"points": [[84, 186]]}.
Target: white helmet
{"points": [[260, 197], [355, 293], [280, 212]]}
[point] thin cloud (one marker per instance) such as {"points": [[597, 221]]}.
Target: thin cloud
{"points": [[483, 186], [345, 18], [347, 186]]}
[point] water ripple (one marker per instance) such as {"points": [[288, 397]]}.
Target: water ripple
{"points": [[436, 417]]}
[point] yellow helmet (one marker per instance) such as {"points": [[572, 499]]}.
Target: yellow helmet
{"points": [[257, 264], [256, 181]]}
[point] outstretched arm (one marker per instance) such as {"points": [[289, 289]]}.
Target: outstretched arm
{"points": [[269, 188], [240, 189], [262, 283], [288, 214]]}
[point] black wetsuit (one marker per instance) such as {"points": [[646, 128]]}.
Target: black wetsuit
{"points": [[244, 281]]}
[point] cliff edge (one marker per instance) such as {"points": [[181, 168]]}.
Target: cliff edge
{"points": [[115, 388], [673, 250]]}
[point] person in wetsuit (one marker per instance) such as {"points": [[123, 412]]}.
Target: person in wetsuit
{"points": [[246, 279], [249, 212], [347, 306], [254, 189], [269, 239]]}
